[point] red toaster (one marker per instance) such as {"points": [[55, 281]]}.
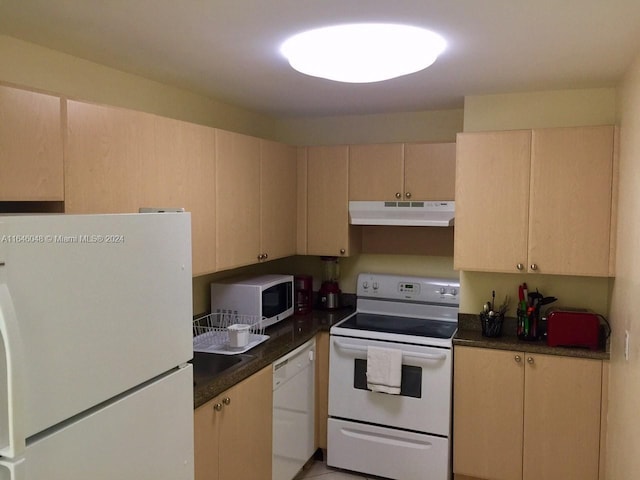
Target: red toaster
{"points": [[573, 329]]}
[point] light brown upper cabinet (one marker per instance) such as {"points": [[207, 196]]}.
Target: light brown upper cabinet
{"points": [[255, 198], [237, 200], [328, 229], [183, 175], [120, 160], [376, 172], [430, 171], [535, 201], [301, 190], [278, 196], [31, 162], [396, 171], [107, 149]]}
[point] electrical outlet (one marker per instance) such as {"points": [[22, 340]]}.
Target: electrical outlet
{"points": [[626, 345]]}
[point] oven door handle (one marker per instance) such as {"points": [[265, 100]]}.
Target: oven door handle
{"points": [[423, 356]]}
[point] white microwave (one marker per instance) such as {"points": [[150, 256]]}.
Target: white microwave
{"points": [[269, 297]]}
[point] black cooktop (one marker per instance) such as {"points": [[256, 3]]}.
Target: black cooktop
{"points": [[420, 327]]}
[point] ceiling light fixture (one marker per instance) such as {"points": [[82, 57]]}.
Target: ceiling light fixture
{"points": [[363, 52]]}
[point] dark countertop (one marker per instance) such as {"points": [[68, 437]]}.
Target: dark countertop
{"points": [[470, 334], [284, 337], [289, 334]]}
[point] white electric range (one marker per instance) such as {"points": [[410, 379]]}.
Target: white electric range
{"points": [[404, 436]]}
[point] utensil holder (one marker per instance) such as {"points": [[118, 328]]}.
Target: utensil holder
{"points": [[491, 324], [527, 325]]}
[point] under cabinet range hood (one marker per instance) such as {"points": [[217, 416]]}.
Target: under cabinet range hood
{"points": [[404, 213]]}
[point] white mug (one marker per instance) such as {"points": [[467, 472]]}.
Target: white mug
{"points": [[238, 335]]}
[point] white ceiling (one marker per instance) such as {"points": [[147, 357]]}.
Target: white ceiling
{"points": [[228, 49]]}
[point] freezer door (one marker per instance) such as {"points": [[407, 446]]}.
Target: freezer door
{"points": [[146, 434], [102, 303]]}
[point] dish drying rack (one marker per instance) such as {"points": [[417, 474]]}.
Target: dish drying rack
{"points": [[210, 333]]}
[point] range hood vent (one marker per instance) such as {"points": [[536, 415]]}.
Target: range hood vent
{"points": [[413, 214]]}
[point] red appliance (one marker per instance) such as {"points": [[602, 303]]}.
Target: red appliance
{"points": [[303, 285], [330, 293], [573, 329]]}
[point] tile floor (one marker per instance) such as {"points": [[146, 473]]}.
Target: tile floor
{"points": [[319, 471]]}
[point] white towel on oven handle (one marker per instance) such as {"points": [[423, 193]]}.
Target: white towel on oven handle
{"points": [[384, 370]]}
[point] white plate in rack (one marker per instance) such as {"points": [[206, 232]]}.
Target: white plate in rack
{"points": [[224, 348]]}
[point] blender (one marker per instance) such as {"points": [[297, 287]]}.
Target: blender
{"points": [[329, 294]]}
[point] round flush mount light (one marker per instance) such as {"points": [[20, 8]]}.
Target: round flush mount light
{"points": [[363, 52]]}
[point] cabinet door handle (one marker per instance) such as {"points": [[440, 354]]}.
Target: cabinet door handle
{"points": [[519, 266], [398, 195], [226, 400], [517, 358], [342, 251], [259, 256], [530, 360], [408, 194], [265, 256], [534, 267], [217, 407]]}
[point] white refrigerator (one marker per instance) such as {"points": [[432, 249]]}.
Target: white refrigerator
{"points": [[95, 319]]}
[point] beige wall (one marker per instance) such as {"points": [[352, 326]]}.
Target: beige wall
{"points": [[431, 126], [32, 66], [29, 65], [557, 108], [538, 110], [350, 267], [623, 445], [37, 67]]}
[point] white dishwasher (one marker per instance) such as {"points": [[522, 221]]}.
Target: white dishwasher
{"points": [[293, 411]]}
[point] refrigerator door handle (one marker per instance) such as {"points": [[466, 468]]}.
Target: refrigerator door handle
{"points": [[12, 443], [17, 470]]}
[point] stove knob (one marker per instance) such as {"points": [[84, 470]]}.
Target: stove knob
{"points": [[375, 285], [453, 292], [365, 285], [443, 291]]}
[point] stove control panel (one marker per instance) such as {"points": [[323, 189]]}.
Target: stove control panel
{"points": [[417, 289], [409, 288]]}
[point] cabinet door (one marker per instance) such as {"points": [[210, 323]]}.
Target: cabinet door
{"points": [[375, 172], [487, 413], [571, 184], [328, 200], [182, 174], [31, 165], [237, 200], [106, 149], [278, 186], [302, 217], [492, 200], [322, 388], [206, 441], [430, 171], [562, 418], [246, 429]]}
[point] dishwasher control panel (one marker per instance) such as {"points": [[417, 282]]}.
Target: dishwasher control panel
{"points": [[293, 363]]}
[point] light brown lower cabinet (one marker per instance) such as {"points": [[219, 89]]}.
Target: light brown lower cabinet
{"points": [[525, 416], [322, 388], [233, 432]]}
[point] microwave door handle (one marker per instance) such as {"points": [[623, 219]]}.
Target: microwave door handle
{"points": [[422, 356], [13, 354]]}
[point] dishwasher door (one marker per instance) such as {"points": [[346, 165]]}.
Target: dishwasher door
{"points": [[293, 411]]}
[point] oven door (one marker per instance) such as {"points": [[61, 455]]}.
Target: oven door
{"points": [[424, 402]]}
